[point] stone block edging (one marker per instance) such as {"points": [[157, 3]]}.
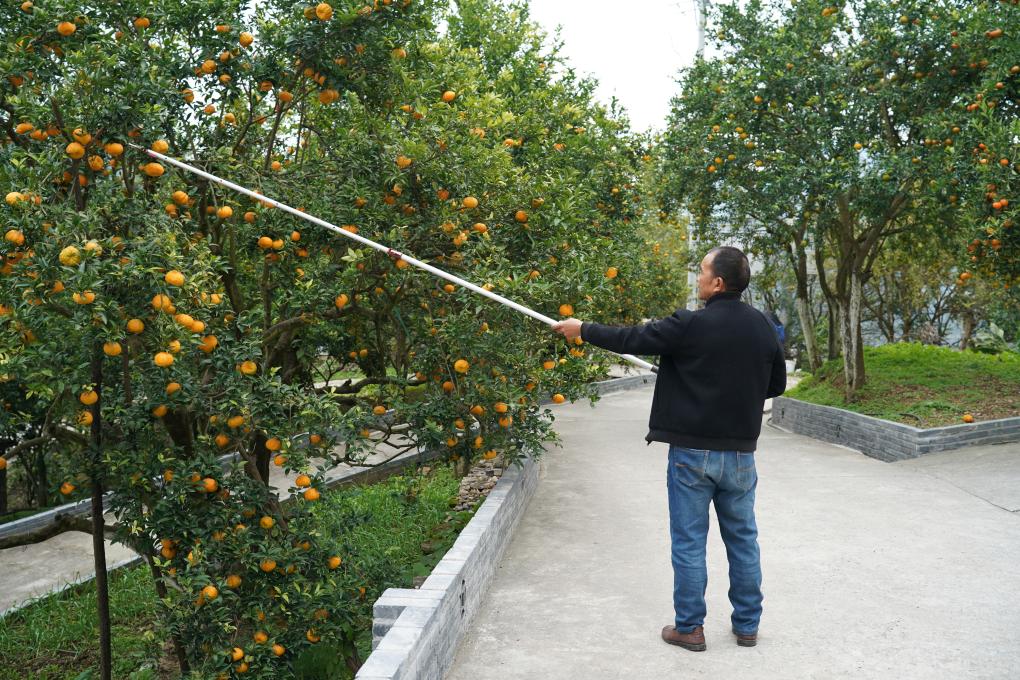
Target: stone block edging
{"points": [[883, 439], [416, 631]]}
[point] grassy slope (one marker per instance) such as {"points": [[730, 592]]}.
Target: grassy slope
{"points": [[923, 386], [55, 638]]}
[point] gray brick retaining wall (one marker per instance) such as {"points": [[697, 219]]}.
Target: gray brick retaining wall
{"points": [[884, 439]]}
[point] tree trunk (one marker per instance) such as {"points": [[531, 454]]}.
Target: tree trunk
{"points": [[832, 351], [98, 537], [807, 325], [969, 323], [41, 483], [851, 339]]}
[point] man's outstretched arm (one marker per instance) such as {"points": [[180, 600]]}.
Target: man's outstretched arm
{"points": [[663, 336]]}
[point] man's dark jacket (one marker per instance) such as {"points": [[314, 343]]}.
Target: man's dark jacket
{"points": [[718, 366]]}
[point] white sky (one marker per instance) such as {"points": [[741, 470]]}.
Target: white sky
{"points": [[634, 50]]}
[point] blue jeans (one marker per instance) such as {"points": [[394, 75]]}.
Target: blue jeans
{"points": [[695, 477]]}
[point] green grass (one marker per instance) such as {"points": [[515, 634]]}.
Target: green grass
{"points": [[923, 385], [385, 525]]}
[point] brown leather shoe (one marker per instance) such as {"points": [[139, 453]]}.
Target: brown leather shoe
{"points": [[746, 640], [694, 641]]}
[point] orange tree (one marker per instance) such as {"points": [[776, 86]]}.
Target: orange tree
{"points": [[841, 125], [183, 341]]}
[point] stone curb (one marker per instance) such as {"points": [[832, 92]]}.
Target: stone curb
{"points": [[415, 632], [883, 439]]}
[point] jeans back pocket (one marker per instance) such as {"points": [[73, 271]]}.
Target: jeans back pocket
{"points": [[689, 464]]}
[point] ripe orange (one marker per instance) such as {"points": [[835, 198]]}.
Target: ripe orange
{"points": [[311, 636], [341, 300], [315, 439], [279, 650], [968, 418], [235, 422], [142, 22], [267, 565], [70, 256], [449, 96], [506, 421], [88, 397], [612, 272], [461, 366], [566, 310], [334, 561], [112, 349], [162, 303], [260, 636], [233, 581], [279, 460], [489, 455], [173, 387], [210, 592], [135, 326], [267, 522], [246, 39], [209, 343], [85, 298], [303, 481], [477, 410], [210, 485], [500, 407], [85, 418], [323, 11], [379, 410], [448, 386], [224, 212], [153, 169], [67, 488], [312, 494], [163, 359], [548, 364], [470, 202], [66, 28], [174, 278], [160, 411], [521, 216], [236, 654], [558, 398], [273, 443], [248, 367]]}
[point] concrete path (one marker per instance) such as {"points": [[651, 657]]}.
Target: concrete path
{"points": [[870, 569]]}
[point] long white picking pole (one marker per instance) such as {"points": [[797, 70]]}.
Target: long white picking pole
{"points": [[372, 244]]}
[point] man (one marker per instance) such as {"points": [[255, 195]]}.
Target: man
{"points": [[718, 366]]}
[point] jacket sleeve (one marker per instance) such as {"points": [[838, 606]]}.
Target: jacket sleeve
{"points": [[663, 336], [777, 381]]}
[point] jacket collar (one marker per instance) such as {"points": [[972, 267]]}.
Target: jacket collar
{"points": [[723, 295]]}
